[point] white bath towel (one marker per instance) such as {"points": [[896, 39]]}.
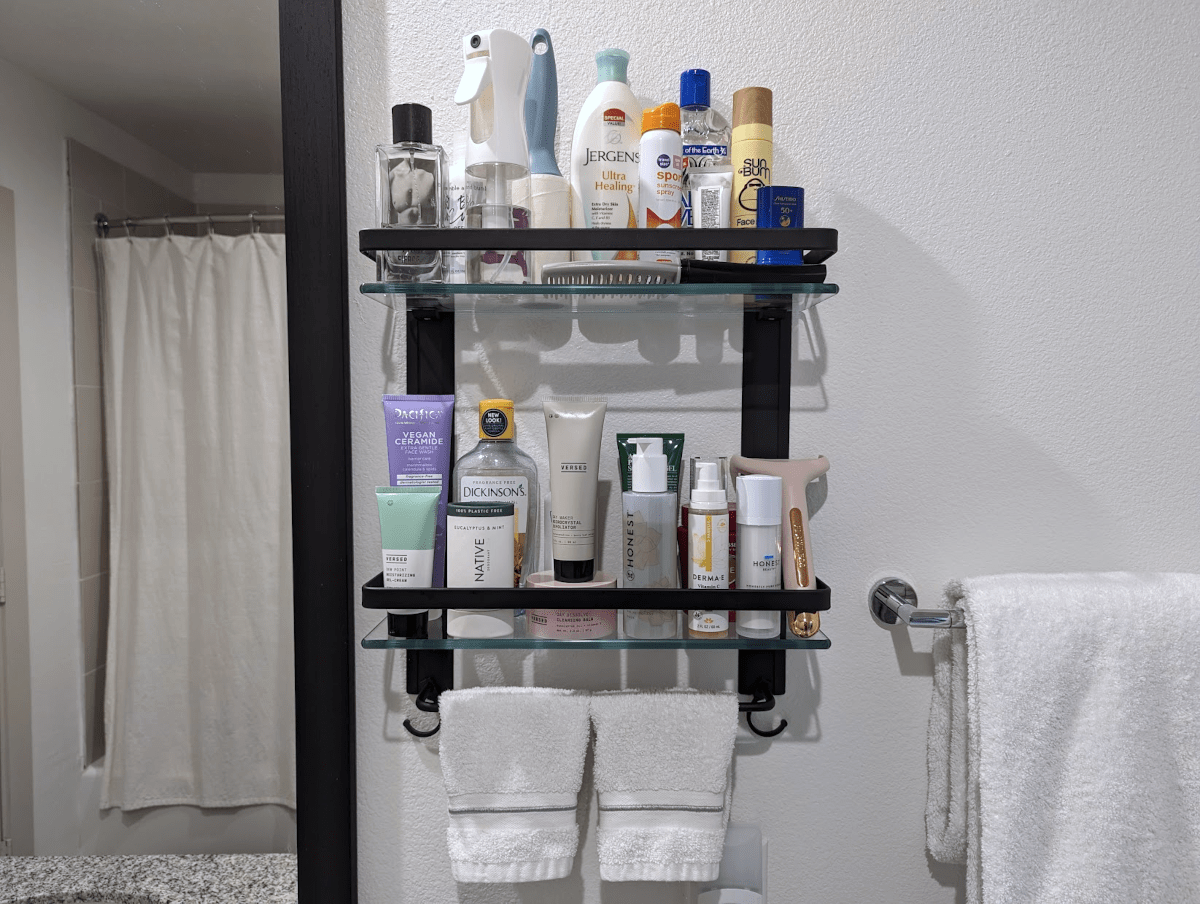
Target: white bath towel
{"points": [[512, 759], [946, 802], [1083, 725], [663, 775]]}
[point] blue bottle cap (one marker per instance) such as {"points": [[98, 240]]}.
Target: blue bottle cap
{"points": [[693, 88]]}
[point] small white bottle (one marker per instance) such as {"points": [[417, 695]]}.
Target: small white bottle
{"points": [[648, 552], [759, 527], [660, 176], [708, 550]]}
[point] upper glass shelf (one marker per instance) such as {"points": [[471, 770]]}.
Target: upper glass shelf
{"points": [[669, 299], [379, 639]]}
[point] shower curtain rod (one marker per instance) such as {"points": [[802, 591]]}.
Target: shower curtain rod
{"points": [[103, 223]]}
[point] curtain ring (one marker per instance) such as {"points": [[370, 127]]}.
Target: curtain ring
{"points": [[253, 223], [212, 227], [128, 224], [167, 223]]}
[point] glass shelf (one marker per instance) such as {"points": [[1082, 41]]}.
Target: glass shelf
{"points": [[379, 639], [673, 299]]}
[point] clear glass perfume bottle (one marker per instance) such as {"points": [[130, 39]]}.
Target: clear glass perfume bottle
{"points": [[410, 176], [496, 470]]}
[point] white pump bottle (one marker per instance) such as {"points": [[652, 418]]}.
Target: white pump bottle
{"points": [[648, 546]]}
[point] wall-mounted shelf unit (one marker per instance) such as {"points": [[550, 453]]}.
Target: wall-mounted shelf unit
{"points": [[767, 310]]}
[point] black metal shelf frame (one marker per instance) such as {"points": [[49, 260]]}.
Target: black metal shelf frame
{"points": [[766, 398], [818, 244]]}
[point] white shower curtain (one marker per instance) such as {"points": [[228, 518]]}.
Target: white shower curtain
{"points": [[199, 702]]}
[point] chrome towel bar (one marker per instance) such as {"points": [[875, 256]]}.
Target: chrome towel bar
{"points": [[893, 600]]}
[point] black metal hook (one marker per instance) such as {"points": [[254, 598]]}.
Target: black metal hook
{"points": [[761, 701], [427, 702]]}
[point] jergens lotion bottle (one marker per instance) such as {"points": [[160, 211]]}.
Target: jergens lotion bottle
{"points": [[604, 156], [752, 155], [708, 550]]}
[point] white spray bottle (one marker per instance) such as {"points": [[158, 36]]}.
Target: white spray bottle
{"points": [[495, 75]]}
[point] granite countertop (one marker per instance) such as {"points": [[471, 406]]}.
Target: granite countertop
{"points": [[174, 879]]}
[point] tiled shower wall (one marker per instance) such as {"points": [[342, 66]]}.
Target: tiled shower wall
{"points": [[99, 185]]}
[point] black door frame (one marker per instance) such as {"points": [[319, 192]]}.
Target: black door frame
{"points": [[310, 58]]}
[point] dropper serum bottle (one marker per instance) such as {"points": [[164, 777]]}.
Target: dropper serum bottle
{"points": [[708, 551]]}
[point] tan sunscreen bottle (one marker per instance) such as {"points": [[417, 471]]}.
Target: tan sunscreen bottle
{"points": [[752, 156]]}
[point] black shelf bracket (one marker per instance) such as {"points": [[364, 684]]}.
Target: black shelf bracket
{"points": [[428, 673], [761, 675]]}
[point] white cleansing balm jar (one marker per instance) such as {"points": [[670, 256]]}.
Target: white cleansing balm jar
{"points": [[480, 548]]}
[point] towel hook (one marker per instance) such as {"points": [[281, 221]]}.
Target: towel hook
{"points": [[427, 702], [761, 701], [894, 600]]}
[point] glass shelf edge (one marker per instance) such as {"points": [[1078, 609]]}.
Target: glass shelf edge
{"points": [[447, 290], [378, 639]]}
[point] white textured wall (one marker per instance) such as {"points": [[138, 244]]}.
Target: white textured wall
{"points": [[1007, 380]]}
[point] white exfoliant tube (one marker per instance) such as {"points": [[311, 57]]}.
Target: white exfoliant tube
{"points": [[573, 431]]}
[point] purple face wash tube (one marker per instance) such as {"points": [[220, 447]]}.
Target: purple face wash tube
{"points": [[419, 431]]}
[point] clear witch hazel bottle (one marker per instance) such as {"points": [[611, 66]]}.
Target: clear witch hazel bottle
{"points": [[496, 470]]}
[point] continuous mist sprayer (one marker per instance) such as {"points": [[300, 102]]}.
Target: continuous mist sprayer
{"points": [[495, 76]]}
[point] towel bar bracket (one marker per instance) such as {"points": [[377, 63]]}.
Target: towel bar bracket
{"points": [[894, 600]]}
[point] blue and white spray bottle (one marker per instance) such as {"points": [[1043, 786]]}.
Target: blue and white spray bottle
{"points": [[495, 76]]}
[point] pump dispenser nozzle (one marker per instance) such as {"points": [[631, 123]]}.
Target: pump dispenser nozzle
{"points": [[709, 491], [649, 466]]}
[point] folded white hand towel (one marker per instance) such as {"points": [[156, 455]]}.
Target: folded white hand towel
{"points": [[512, 759], [662, 767], [1083, 778], [946, 801]]}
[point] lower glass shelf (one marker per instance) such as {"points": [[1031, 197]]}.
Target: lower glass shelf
{"points": [[677, 299], [379, 639]]}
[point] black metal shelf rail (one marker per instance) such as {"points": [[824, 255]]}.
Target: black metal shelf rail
{"points": [[818, 244], [376, 596]]}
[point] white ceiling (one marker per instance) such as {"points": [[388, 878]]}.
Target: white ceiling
{"points": [[198, 80]]}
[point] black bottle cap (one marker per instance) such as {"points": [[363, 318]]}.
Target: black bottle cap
{"points": [[574, 572], [412, 122], [415, 625]]}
